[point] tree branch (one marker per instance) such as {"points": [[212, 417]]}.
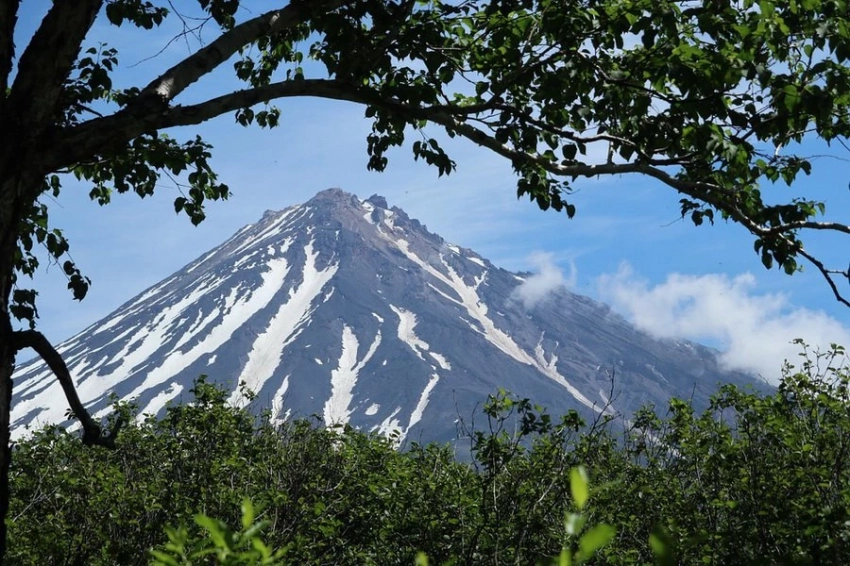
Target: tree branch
{"points": [[48, 59], [96, 136], [176, 79], [321, 88], [8, 19], [808, 225], [92, 433], [827, 274], [700, 190]]}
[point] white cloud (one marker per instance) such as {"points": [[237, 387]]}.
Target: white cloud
{"points": [[754, 329], [547, 278]]}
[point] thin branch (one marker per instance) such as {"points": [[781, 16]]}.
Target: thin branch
{"points": [[827, 274], [332, 89], [806, 224], [48, 59], [182, 35], [92, 433], [704, 191]]}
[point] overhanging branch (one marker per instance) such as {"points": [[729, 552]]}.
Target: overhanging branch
{"points": [[92, 433], [176, 79], [93, 137], [97, 136], [320, 88], [807, 225], [703, 191]]}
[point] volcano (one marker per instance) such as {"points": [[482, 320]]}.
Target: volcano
{"points": [[349, 310]]}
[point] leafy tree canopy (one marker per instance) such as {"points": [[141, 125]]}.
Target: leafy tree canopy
{"points": [[707, 97]]}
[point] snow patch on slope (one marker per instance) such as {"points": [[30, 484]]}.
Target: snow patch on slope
{"points": [[441, 360], [406, 324], [286, 324], [390, 424], [372, 409], [161, 398], [407, 334], [343, 379], [277, 402], [273, 229], [416, 415]]}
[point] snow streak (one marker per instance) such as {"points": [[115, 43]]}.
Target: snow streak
{"points": [[406, 333], [467, 297], [286, 324], [344, 378]]}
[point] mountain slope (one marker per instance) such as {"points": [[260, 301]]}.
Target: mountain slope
{"points": [[354, 312]]}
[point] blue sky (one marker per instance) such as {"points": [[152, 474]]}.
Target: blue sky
{"points": [[627, 244]]}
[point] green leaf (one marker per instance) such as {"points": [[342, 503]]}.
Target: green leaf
{"points": [[163, 559], [594, 539], [579, 486], [791, 98], [662, 547], [247, 514]]}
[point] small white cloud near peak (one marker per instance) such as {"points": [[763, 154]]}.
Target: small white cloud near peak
{"points": [[755, 330], [546, 278]]}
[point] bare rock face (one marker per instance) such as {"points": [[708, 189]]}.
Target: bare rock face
{"points": [[349, 310]]}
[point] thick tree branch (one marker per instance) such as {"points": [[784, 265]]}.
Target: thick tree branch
{"points": [[48, 60], [175, 80], [320, 88], [92, 433], [97, 136], [8, 19]]}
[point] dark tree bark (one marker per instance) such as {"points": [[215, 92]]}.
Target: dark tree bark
{"points": [[7, 366], [8, 351]]}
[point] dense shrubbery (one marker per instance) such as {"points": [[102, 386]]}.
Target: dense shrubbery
{"points": [[754, 480]]}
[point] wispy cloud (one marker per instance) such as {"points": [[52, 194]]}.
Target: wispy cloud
{"points": [[754, 330], [547, 278]]}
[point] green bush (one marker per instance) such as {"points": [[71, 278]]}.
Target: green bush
{"points": [[755, 479]]}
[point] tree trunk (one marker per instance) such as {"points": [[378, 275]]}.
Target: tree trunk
{"points": [[10, 208], [7, 366], [16, 196]]}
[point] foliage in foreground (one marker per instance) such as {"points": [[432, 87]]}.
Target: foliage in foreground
{"points": [[755, 479]]}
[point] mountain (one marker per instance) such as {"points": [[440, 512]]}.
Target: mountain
{"points": [[350, 310]]}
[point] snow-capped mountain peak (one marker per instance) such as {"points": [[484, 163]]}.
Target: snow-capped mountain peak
{"points": [[350, 310]]}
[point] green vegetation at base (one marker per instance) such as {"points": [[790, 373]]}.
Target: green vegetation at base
{"points": [[755, 479]]}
